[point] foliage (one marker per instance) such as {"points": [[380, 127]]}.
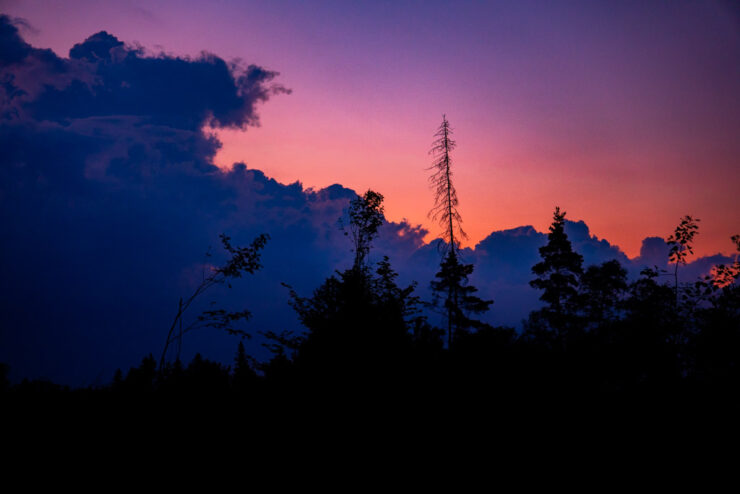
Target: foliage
{"points": [[602, 290], [724, 275], [242, 260], [558, 277], [364, 332], [357, 318], [365, 218], [353, 318], [680, 243], [460, 300]]}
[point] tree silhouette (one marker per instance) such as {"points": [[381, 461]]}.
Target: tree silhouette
{"points": [[357, 320], [445, 196], [716, 344], [244, 375], [243, 260], [558, 276], [365, 218], [724, 275], [651, 331], [460, 299], [602, 290], [142, 379], [452, 278], [681, 244]]}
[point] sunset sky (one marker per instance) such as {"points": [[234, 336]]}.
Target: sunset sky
{"points": [[625, 114]]}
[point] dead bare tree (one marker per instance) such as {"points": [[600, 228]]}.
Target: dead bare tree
{"points": [[445, 210], [452, 279]]}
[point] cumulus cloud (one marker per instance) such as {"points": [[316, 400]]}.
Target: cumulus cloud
{"points": [[104, 77]]}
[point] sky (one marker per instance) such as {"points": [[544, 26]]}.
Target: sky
{"points": [[127, 152], [625, 114]]}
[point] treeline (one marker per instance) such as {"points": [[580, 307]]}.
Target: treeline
{"points": [[598, 335]]}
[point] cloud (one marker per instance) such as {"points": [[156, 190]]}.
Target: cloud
{"points": [[653, 252], [14, 48], [109, 193], [104, 77]]}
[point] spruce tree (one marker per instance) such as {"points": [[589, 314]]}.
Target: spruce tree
{"points": [[558, 277], [452, 278]]}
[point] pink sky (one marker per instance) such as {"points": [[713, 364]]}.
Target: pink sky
{"points": [[626, 116]]}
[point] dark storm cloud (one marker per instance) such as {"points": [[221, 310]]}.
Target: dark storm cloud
{"points": [[14, 48], [110, 201], [653, 252], [103, 77], [110, 198]]}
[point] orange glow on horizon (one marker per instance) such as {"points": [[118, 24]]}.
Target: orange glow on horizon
{"points": [[505, 178], [521, 190]]}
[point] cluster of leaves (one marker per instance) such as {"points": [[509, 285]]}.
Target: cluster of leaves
{"points": [[681, 240], [243, 260], [365, 218]]}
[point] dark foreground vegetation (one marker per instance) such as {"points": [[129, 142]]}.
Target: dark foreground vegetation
{"points": [[600, 341]]}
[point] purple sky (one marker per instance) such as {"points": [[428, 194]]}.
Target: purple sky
{"points": [[626, 114]]}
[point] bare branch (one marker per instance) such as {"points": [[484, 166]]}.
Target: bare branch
{"points": [[445, 206]]}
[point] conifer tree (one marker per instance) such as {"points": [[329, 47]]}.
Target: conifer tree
{"points": [[558, 277], [452, 279]]}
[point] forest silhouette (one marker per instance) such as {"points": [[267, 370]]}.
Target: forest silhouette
{"points": [[598, 335]]}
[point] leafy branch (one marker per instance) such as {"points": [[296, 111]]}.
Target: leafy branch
{"points": [[243, 260]]}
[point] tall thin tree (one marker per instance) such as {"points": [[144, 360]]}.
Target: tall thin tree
{"points": [[681, 244], [445, 197], [452, 279], [365, 219]]}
